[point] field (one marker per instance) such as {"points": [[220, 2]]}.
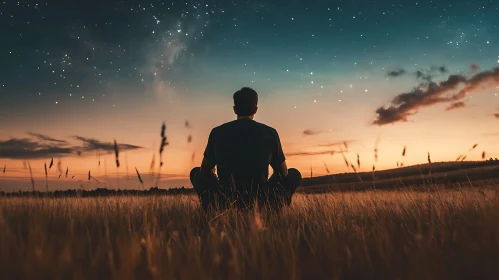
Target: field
{"points": [[444, 234]]}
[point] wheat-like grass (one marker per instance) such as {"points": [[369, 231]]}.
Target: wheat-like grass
{"points": [[116, 154], [140, 178], [46, 177], [368, 235], [31, 177]]}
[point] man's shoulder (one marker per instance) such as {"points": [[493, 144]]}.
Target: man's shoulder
{"points": [[228, 126], [266, 127]]}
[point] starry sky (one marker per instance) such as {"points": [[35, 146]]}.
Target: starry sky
{"points": [[332, 76]]}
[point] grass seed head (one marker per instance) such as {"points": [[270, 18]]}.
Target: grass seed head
{"points": [[116, 153]]}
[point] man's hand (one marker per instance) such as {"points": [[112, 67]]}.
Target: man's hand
{"points": [[207, 167], [281, 170]]}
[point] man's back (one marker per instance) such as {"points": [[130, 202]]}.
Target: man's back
{"points": [[243, 150]]}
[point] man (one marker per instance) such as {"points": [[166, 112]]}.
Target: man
{"points": [[242, 151]]}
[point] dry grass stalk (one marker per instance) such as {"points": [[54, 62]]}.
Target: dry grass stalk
{"points": [[67, 170], [164, 143], [59, 166], [46, 178], [358, 161], [189, 138], [353, 168], [153, 162], [376, 150], [346, 161], [327, 169], [459, 157], [140, 178], [51, 163], [117, 154], [345, 144], [403, 151], [4, 168], [90, 177], [429, 157], [484, 155], [463, 159], [31, 176]]}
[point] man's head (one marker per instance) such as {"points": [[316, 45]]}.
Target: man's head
{"points": [[245, 102]]}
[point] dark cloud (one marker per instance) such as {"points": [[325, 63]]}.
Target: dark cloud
{"points": [[46, 138], [455, 105], [396, 73], [29, 149], [424, 76], [309, 132], [441, 69], [428, 75], [431, 93], [90, 145], [44, 146]]}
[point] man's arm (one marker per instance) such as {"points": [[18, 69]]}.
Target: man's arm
{"points": [[281, 170], [278, 162], [208, 164]]}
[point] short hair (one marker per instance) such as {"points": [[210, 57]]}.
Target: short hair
{"points": [[245, 101]]}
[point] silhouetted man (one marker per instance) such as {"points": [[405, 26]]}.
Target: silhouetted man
{"points": [[242, 151]]}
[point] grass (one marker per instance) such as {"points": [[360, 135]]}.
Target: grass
{"points": [[447, 234]]}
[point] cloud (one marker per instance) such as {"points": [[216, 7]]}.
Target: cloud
{"points": [[90, 145], [428, 75], [396, 73], [441, 69], [455, 105], [338, 143], [46, 138], [29, 149], [309, 132], [43, 146], [304, 153], [430, 93]]}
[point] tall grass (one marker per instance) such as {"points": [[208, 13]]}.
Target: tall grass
{"points": [[371, 235]]}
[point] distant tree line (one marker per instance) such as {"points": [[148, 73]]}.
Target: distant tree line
{"points": [[100, 192]]}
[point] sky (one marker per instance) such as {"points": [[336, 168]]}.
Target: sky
{"points": [[335, 78]]}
